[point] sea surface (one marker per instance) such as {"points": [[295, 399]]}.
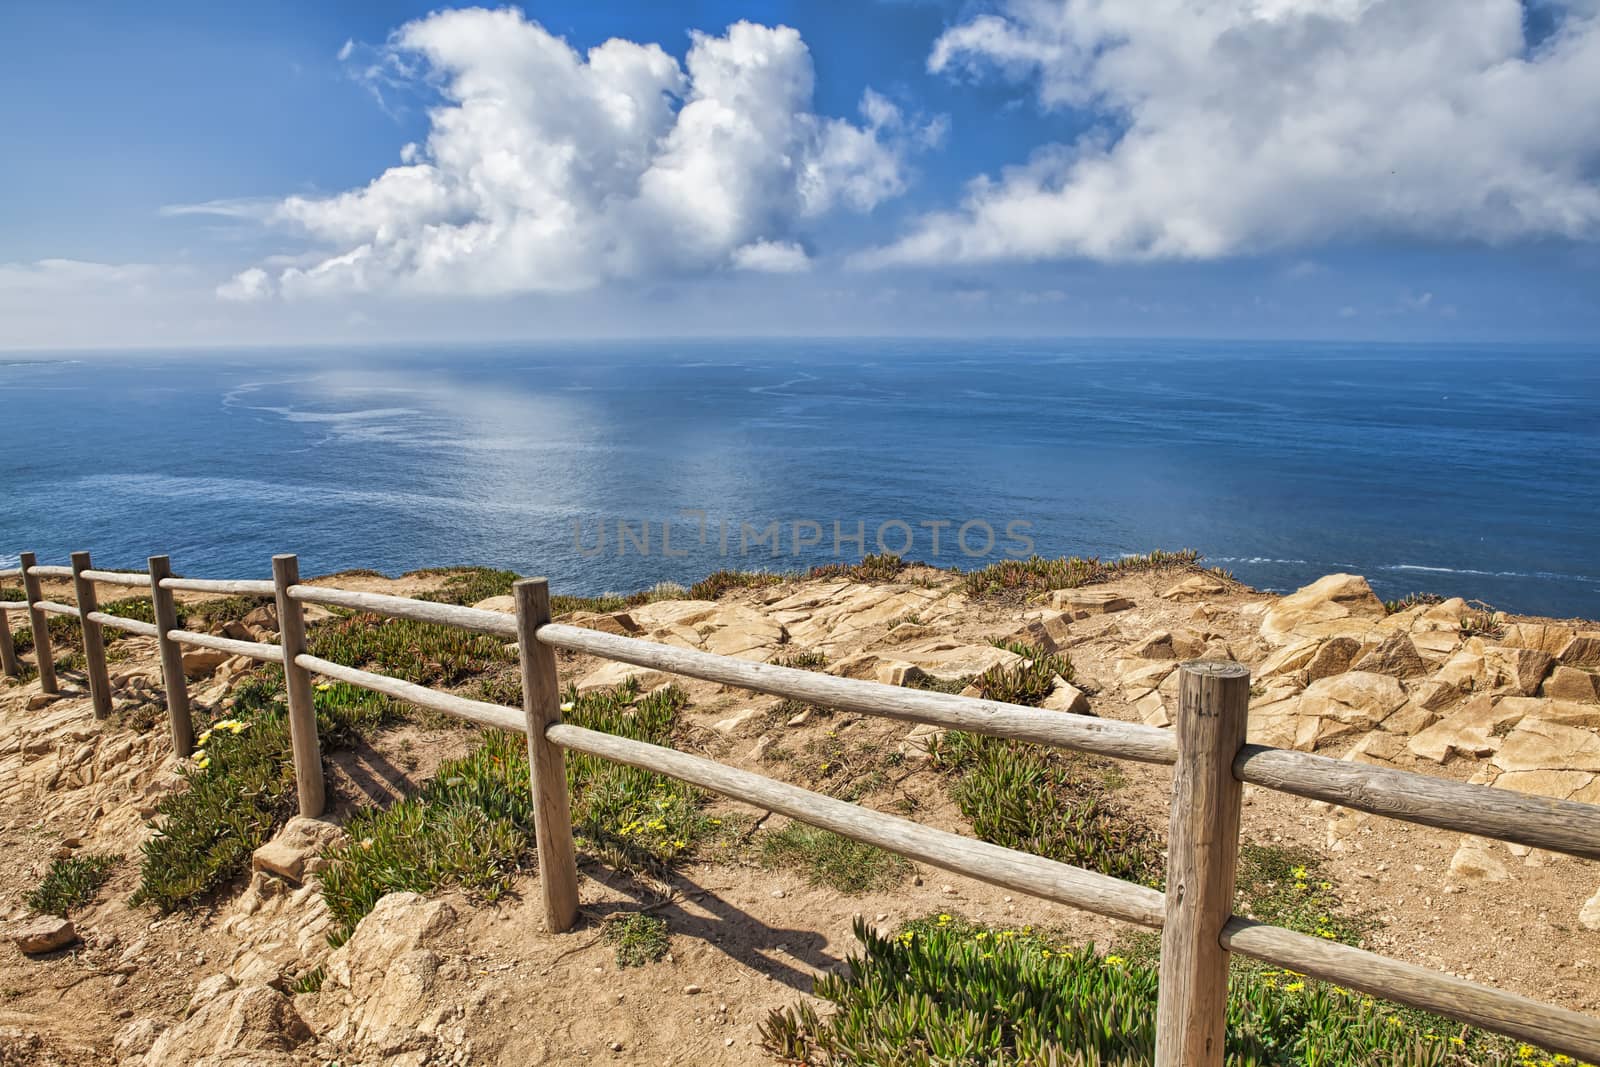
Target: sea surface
{"points": [[1463, 470]]}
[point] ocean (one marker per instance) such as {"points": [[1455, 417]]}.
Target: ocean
{"points": [[1469, 470]]}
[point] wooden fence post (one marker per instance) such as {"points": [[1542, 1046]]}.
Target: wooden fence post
{"points": [[94, 640], [547, 765], [8, 650], [39, 623], [297, 683], [179, 719], [1202, 856]]}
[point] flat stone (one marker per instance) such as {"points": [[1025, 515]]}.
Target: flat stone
{"points": [[1082, 603], [730, 726], [1520, 669], [1537, 744], [1356, 698], [504, 603], [1395, 656], [1066, 697], [1474, 861], [1545, 636], [1572, 683], [1589, 914], [1195, 587], [294, 852], [1317, 610], [1472, 731], [42, 933], [1582, 651]]}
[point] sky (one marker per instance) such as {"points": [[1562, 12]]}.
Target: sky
{"points": [[200, 174]]}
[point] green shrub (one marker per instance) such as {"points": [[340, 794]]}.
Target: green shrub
{"points": [[879, 567], [945, 992], [1289, 887], [1028, 682], [714, 585], [603, 604], [831, 860], [1411, 600], [1046, 801], [1022, 578], [72, 882], [419, 652], [639, 938], [469, 585]]}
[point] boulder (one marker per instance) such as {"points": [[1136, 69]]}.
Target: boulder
{"points": [[1564, 712], [1572, 683], [1082, 603], [505, 603], [1582, 651], [1589, 914], [1322, 609], [1353, 702], [297, 849], [1537, 744], [252, 1024], [1291, 659], [1519, 669], [1475, 861], [616, 622], [1545, 636], [1333, 656], [42, 933], [1474, 731], [199, 662], [209, 989], [136, 1038], [1195, 587], [1050, 632], [388, 974], [1395, 656], [1168, 645], [1066, 697]]}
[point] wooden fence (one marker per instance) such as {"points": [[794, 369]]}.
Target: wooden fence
{"points": [[1207, 749]]}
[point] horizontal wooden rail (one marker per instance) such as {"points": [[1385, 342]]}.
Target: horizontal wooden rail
{"points": [[477, 711], [41, 571], [11, 572], [117, 622], [247, 587], [253, 649], [1106, 737], [138, 579], [999, 866], [401, 607], [1521, 818], [52, 607], [1556, 1029]]}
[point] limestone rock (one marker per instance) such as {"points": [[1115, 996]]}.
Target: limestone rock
{"points": [[1564, 712], [42, 933], [1537, 744], [1396, 656], [1572, 683], [896, 673], [1066, 697], [1350, 703], [948, 658], [612, 674], [296, 849], [616, 622], [1323, 608], [136, 1038], [1545, 636], [921, 738], [1589, 914], [732, 724], [1082, 603], [1521, 669], [1051, 632], [1168, 644], [199, 662], [389, 974], [1195, 587], [1475, 861], [251, 1024], [1334, 656], [1582, 651], [1289, 660], [209, 989], [505, 603]]}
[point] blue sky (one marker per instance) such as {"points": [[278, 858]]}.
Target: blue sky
{"points": [[203, 174]]}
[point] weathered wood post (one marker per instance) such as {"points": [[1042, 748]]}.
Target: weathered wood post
{"points": [[179, 719], [39, 623], [94, 641], [547, 765], [1202, 855], [297, 683], [8, 650]]}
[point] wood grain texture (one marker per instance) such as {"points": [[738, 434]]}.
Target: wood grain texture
{"points": [[1107, 737], [180, 721], [400, 607], [55, 607], [989, 863], [48, 572], [1556, 1029], [94, 639], [226, 587], [117, 622], [297, 685], [1202, 858], [253, 649], [39, 624], [135, 579], [1540, 822], [547, 761], [8, 649], [478, 711]]}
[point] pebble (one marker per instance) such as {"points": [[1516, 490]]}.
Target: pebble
{"points": [[616, 1046], [691, 989], [728, 1041], [778, 893]]}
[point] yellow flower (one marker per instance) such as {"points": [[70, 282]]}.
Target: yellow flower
{"points": [[567, 706], [1294, 987], [203, 762], [205, 737], [944, 918], [1115, 961], [323, 687]]}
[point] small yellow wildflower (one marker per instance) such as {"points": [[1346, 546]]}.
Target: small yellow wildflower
{"points": [[567, 706]]}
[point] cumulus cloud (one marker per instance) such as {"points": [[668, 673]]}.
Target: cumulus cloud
{"points": [[251, 284], [548, 170], [1239, 126]]}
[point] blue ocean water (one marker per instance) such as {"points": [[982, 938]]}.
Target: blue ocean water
{"points": [[1466, 470]]}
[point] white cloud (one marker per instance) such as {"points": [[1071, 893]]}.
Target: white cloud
{"points": [[547, 170], [772, 257], [1247, 125], [251, 284], [72, 275]]}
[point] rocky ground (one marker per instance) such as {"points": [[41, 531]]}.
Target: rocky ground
{"points": [[1436, 688]]}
